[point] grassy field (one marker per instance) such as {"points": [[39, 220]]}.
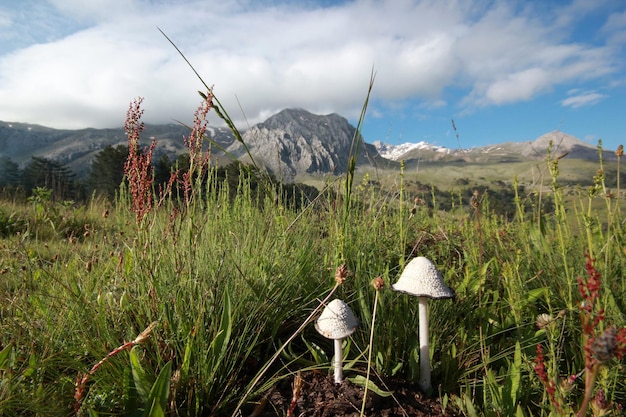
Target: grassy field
{"points": [[197, 305]]}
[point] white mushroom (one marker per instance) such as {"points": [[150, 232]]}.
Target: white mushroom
{"points": [[337, 322], [422, 279]]}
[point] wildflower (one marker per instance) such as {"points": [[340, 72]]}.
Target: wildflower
{"points": [[600, 405], [378, 283], [567, 384], [620, 344], [138, 165], [540, 370], [603, 346], [198, 161], [543, 320], [145, 334], [620, 151], [341, 273], [474, 201], [590, 292]]}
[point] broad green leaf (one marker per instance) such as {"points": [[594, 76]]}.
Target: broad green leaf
{"points": [[140, 378], [534, 294], [362, 381], [130, 393], [469, 407], [157, 401], [515, 375], [154, 411], [4, 356], [32, 366]]}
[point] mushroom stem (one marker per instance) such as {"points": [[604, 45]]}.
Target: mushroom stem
{"points": [[424, 381], [338, 359]]}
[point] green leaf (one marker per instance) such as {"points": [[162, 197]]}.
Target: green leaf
{"points": [[154, 411], [219, 345], [159, 393], [493, 393], [184, 368], [130, 393], [362, 381], [396, 368], [534, 294], [319, 356], [4, 356], [32, 366], [140, 378], [346, 351], [515, 375], [469, 407]]}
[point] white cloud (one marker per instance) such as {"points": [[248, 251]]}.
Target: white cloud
{"points": [[94, 11], [5, 19], [615, 28], [270, 57], [519, 86], [582, 98]]}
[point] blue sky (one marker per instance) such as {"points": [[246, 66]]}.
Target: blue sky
{"points": [[503, 70]]}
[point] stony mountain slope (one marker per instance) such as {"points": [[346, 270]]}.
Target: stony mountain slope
{"points": [[296, 141]]}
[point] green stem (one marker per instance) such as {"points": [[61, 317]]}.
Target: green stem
{"points": [[590, 379], [369, 356]]}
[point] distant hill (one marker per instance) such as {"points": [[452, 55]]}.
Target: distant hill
{"points": [[77, 148], [560, 145], [290, 143]]}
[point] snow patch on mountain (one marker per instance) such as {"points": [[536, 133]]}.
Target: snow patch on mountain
{"points": [[396, 152]]}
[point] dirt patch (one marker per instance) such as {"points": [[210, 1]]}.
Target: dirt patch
{"points": [[321, 397]]}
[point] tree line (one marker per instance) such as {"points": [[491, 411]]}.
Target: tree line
{"points": [[107, 174]]}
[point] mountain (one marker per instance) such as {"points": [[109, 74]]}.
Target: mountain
{"points": [[560, 145], [296, 141], [406, 150], [77, 148], [290, 143]]}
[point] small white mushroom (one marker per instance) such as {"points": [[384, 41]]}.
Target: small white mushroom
{"points": [[337, 322], [422, 279]]}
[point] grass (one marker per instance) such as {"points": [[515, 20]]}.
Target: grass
{"points": [[229, 281]]}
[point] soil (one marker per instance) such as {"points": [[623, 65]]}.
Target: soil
{"points": [[319, 396]]}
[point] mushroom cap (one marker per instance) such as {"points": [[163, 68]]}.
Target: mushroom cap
{"points": [[337, 320], [421, 278]]}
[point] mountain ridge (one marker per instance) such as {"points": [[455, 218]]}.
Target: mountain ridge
{"points": [[558, 143], [290, 143]]}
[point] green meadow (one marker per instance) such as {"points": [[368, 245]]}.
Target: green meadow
{"points": [[196, 300]]}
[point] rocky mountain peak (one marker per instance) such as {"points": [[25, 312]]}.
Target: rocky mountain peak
{"points": [[295, 141], [560, 143]]}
